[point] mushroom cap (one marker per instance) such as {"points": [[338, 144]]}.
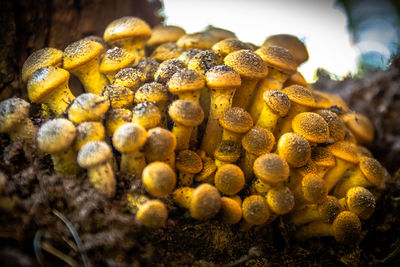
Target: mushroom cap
{"points": [[55, 135], [125, 28], [208, 169], [119, 96], [344, 150], [296, 78], [372, 170], [247, 64], [185, 80], [94, 153], [153, 91], [337, 101], [360, 201], [159, 179], [188, 161], [41, 58], [362, 151], [309, 168], [167, 69], [277, 101], [300, 95], [129, 77], [360, 126], [205, 202], [148, 67], [160, 142], [129, 137], [230, 212], [271, 169], [255, 210], [294, 148], [280, 200], [200, 40], [329, 209], [258, 141], [337, 128], [321, 100], [88, 131], [12, 112], [205, 60], [80, 52], [314, 188], [346, 228], [152, 214], [115, 59], [115, 118], [291, 43], [322, 157], [311, 126], [220, 33], [186, 56], [279, 58], [88, 107], [164, 34], [236, 119], [222, 77], [44, 81], [229, 179], [229, 45], [188, 113], [227, 151], [98, 39], [146, 114], [167, 51]]}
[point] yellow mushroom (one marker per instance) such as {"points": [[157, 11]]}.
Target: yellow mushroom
{"points": [[95, 156], [219, 33], [130, 77], [297, 174], [294, 148], [129, 139], [311, 126], [206, 175], [186, 56], [158, 179], [205, 60], [188, 164], [255, 211], [88, 107], [200, 40], [167, 69], [88, 131], [229, 179], [147, 115], [361, 127], [337, 128], [119, 96], [167, 51], [271, 169], [312, 189], [160, 146], [148, 67], [360, 201], [151, 213], [280, 200], [162, 34], [49, 85], [296, 78], [113, 60], [81, 58], [229, 45], [115, 118], [186, 84], [323, 158], [230, 212]]}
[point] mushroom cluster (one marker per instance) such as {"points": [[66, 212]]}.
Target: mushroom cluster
{"points": [[224, 128]]}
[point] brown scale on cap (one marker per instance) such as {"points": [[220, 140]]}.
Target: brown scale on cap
{"points": [[119, 96], [160, 146], [311, 126], [291, 43], [186, 56], [167, 69], [129, 77], [280, 200], [294, 148], [276, 105], [167, 51], [164, 34], [41, 58], [360, 201], [337, 128], [271, 169], [227, 152], [114, 60], [230, 45], [200, 40], [88, 107], [311, 190], [323, 158], [186, 84], [229, 179], [148, 67], [146, 114], [188, 163], [204, 61]]}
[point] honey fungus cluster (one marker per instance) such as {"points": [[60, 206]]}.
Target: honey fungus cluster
{"points": [[228, 130]]}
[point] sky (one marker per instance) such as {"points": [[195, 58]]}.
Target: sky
{"points": [[318, 23]]}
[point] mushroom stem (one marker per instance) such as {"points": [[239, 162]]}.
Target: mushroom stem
{"points": [[60, 99], [133, 162], [246, 164], [285, 125], [185, 178], [314, 229], [102, 178], [65, 162], [92, 80], [333, 176], [182, 134], [267, 119], [244, 93]]}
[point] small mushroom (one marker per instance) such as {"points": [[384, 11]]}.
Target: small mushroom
{"points": [[360, 201], [129, 77], [200, 40], [255, 211], [149, 68], [88, 131], [229, 45], [160, 146], [294, 148], [230, 212], [188, 163], [280, 200], [115, 118], [167, 69], [361, 127], [88, 107], [150, 213], [162, 34], [159, 179], [186, 84], [167, 51], [114, 60], [147, 115], [311, 126], [271, 169], [229, 179], [119, 96], [219, 33]]}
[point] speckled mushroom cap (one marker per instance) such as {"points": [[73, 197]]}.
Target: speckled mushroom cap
{"points": [[200, 40], [125, 28], [129, 137], [329, 209], [258, 141], [236, 120], [55, 135], [360, 201], [154, 91], [209, 168], [41, 58], [115, 118], [204, 61], [222, 77], [280, 200], [188, 161], [205, 202], [372, 170], [247, 64], [296, 78], [167, 51], [88, 131], [321, 100], [271, 169], [311, 126], [185, 80], [148, 67], [160, 142], [98, 39], [186, 56], [80, 52], [322, 157], [229, 179], [346, 228], [146, 114], [291, 43], [294, 148], [159, 179], [337, 128], [12, 112], [220, 33], [277, 101], [314, 189], [344, 150], [119, 96], [44, 81], [230, 45], [152, 214], [337, 101], [360, 126], [300, 95], [227, 151], [188, 113], [88, 107], [279, 58], [231, 211], [362, 151], [167, 69], [164, 34], [94, 153], [309, 168], [129, 77], [255, 210], [115, 59]]}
